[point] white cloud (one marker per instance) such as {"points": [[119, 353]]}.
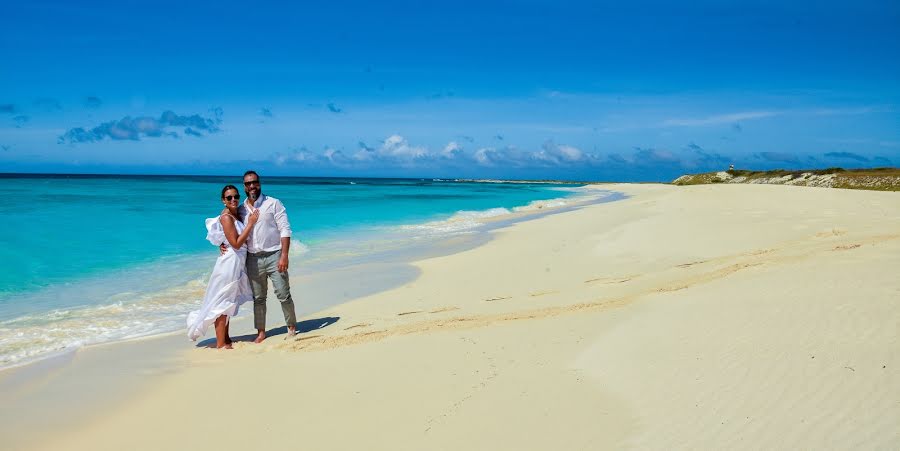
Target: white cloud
{"points": [[556, 155], [488, 156], [550, 155], [398, 148], [720, 119], [451, 150], [751, 115], [396, 151], [300, 155], [570, 153], [335, 156], [329, 157]]}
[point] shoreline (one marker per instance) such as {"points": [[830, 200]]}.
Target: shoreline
{"points": [[687, 317], [128, 365], [402, 246]]}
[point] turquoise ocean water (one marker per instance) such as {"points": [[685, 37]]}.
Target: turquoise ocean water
{"points": [[89, 259]]}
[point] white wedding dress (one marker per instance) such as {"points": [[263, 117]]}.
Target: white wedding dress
{"points": [[228, 286]]}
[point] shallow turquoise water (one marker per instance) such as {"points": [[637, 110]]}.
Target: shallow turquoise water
{"points": [[124, 256], [60, 229]]}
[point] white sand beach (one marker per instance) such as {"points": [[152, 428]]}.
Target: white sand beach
{"points": [[697, 317]]}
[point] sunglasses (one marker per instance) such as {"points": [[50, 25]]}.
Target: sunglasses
{"points": [[251, 182], [235, 197]]}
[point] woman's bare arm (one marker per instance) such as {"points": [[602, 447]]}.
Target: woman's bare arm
{"points": [[235, 240]]}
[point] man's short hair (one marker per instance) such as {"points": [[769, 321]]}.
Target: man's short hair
{"points": [[251, 172]]}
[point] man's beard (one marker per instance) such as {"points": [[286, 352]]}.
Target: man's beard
{"points": [[253, 196]]}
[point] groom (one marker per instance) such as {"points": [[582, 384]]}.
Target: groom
{"points": [[267, 256]]}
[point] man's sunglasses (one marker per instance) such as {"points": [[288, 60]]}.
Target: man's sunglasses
{"points": [[251, 182], [235, 197]]}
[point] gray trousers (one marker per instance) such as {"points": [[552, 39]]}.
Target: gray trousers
{"points": [[260, 268]]}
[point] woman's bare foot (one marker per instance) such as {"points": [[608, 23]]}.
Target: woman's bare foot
{"points": [[260, 337], [223, 340]]}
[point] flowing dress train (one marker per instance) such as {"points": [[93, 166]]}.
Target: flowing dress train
{"points": [[228, 286]]}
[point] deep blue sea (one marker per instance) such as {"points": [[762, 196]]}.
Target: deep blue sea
{"points": [[88, 259]]}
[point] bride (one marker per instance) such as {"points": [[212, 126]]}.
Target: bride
{"points": [[228, 286]]}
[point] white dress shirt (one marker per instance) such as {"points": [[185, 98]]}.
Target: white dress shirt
{"points": [[271, 227]]}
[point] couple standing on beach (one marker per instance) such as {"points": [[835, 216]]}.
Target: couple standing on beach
{"points": [[255, 238]]}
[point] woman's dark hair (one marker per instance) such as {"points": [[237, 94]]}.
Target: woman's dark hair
{"points": [[228, 187]]}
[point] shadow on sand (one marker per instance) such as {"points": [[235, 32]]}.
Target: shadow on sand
{"points": [[303, 327]]}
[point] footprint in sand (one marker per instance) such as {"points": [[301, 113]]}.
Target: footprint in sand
{"points": [[610, 280], [672, 288], [831, 233], [409, 313], [499, 298], [358, 325], [445, 309], [846, 247], [688, 265], [542, 293]]}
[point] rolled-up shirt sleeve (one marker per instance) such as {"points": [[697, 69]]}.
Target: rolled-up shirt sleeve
{"points": [[281, 220]]}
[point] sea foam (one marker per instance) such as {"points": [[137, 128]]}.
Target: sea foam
{"points": [[121, 285]]}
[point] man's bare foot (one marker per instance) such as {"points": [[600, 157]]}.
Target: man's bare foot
{"points": [[291, 332], [225, 346], [260, 337]]}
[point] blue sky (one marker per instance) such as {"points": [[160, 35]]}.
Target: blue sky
{"points": [[527, 89]]}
